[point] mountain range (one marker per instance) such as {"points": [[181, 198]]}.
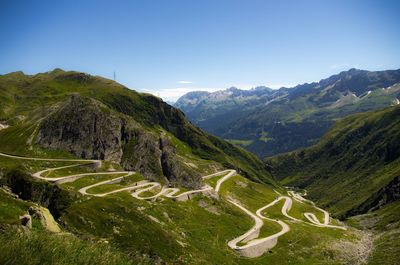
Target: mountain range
{"points": [[268, 122]]}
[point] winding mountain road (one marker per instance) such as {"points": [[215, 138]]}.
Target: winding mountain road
{"points": [[252, 246], [137, 187], [248, 245]]}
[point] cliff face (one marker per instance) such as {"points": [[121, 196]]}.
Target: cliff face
{"points": [[388, 194], [89, 129], [81, 127]]}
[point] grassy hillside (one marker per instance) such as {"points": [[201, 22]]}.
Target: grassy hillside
{"points": [[352, 168], [166, 231], [42, 247], [31, 102]]}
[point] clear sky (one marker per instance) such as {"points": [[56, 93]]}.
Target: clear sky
{"points": [[170, 47]]}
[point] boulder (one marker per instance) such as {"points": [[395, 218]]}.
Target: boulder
{"points": [[45, 217], [26, 220]]}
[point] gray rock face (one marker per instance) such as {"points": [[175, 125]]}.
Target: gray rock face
{"points": [[175, 171], [89, 129], [388, 194], [84, 129]]}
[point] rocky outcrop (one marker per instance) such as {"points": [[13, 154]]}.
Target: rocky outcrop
{"points": [[46, 194], [388, 194], [89, 129], [26, 220], [82, 127], [45, 218], [173, 169]]}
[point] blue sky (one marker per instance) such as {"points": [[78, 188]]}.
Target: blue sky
{"points": [[170, 47]]}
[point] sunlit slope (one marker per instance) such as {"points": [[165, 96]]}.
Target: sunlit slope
{"points": [[352, 169]]}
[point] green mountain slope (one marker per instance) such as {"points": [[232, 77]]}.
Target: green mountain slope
{"points": [[93, 117], [42, 247], [268, 122], [353, 168]]}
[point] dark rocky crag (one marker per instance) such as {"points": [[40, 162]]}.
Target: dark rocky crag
{"points": [[388, 194], [87, 128]]}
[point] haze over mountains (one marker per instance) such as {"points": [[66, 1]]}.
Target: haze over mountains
{"points": [[269, 122]]}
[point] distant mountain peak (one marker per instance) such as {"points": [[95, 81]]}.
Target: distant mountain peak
{"points": [[354, 70], [261, 88], [197, 93], [232, 89]]}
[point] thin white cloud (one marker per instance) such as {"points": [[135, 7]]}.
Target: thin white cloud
{"points": [[172, 94], [184, 82]]}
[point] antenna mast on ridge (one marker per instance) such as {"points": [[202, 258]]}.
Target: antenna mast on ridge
{"points": [[114, 76]]}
